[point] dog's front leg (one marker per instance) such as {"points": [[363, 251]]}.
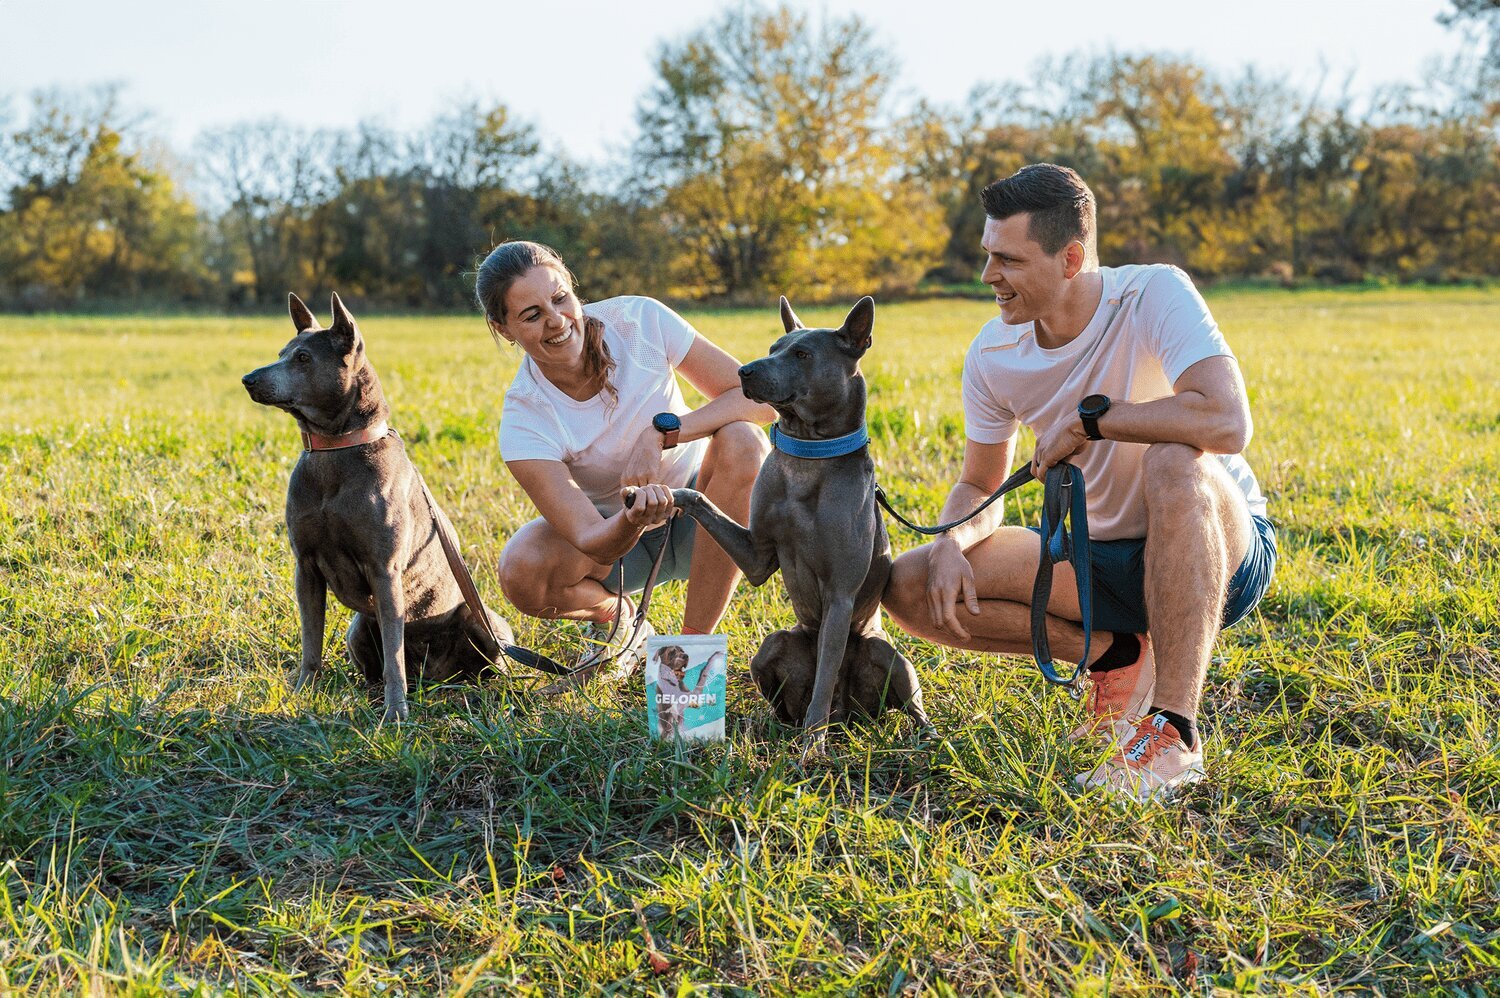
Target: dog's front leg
{"points": [[312, 606], [757, 561], [390, 606], [833, 638]]}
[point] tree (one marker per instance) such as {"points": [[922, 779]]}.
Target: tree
{"points": [[762, 140], [88, 215], [271, 178]]}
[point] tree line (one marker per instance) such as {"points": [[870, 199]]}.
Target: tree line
{"points": [[773, 156]]}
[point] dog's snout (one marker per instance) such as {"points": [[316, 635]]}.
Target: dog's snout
{"points": [[249, 380], [744, 372]]}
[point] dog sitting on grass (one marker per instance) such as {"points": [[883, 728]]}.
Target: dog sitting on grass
{"points": [[361, 524]]}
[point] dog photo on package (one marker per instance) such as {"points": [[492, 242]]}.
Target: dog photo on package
{"points": [[686, 679]]}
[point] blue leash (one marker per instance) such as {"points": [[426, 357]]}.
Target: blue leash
{"points": [[1063, 498], [1065, 538]]}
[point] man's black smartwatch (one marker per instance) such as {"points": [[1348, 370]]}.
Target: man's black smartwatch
{"points": [[669, 426], [1090, 410]]}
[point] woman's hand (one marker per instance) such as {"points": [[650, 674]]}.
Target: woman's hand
{"points": [[643, 463], [649, 506]]}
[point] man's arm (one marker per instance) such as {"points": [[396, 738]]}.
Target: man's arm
{"points": [[985, 467], [1208, 409], [949, 573]]}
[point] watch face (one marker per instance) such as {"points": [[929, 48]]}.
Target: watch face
{"points": [[1094, 405], [666, 422]]}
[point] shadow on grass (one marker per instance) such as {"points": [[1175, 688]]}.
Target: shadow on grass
{"points": [[150, 797]]}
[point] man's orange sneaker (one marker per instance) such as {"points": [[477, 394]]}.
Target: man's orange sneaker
{"points": [[1118, 698], [1152, 765]]}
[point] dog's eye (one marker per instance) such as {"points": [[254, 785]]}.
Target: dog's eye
{"points": [[803, 355], [303, 356]]}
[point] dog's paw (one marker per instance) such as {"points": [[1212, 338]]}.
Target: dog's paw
{"points": [[306, 676], [395, 713], [686, 499], [814, 747]]}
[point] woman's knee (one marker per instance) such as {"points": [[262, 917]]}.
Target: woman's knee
{"points": [[525, 573], [737, 450]]}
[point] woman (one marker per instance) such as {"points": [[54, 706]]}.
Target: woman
{"points": [[594, 408]]}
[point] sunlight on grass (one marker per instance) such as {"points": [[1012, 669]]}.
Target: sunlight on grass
{"points": [[174, 819]]}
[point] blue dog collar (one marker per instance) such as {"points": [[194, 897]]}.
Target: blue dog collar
{"points": [[832, 447]]}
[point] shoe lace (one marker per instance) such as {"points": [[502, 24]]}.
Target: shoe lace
{"points": [[1149, 742], [1103, 690]]}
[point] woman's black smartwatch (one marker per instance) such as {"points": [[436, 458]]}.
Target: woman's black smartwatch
{"points": [[1090, 410], [669, 426]]}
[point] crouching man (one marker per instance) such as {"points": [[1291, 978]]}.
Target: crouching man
{"points": [[1122, 372]]}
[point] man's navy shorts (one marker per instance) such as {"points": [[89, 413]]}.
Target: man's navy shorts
{"points": [[1120, 580]]}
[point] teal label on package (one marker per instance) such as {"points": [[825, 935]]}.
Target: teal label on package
{"points": [[686, 679]]}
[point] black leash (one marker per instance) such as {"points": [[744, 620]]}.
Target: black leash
{"points": [[1065, 538], [1020, 478], [580, 674]]}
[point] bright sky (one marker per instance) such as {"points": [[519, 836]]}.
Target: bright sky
{"points": [[576, 69]]}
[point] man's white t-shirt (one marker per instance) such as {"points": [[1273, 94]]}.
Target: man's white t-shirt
{"points": [[1150, 327], [593, 438]]}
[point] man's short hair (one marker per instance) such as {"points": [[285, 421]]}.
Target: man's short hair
{"points": [[1059, 202]]}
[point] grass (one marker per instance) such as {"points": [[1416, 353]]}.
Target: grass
{"points": [[174, 820]]}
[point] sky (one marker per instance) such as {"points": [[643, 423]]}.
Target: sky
{"points": [[576, 70]]}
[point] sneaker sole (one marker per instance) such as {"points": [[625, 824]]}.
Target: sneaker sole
{"points": [[1116, 781]]}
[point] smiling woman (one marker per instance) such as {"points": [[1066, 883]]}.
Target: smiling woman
{"points": [[594, 408]]}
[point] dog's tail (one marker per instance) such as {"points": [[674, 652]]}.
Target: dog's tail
{"points": [[534, 660]]}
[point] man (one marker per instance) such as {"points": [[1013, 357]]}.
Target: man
{"points": [[1122, 372]]}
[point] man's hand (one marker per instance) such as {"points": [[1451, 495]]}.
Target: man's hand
{"points": [[643, 463], [949, 574], [1057, 445]]}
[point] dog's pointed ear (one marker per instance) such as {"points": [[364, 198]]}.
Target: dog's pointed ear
{"points": [[789, 318], [302, 317], [858, 326], [345, 332]]}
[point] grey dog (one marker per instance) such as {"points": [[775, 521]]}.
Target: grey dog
{"points": [[361, 525], [816, 520]]}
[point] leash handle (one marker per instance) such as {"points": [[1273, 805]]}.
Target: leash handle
{"points": [[1063, 499], [1065, 537]]}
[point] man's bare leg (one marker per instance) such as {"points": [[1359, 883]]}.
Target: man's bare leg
{"points": [[1005, 565], [1192, 505]]}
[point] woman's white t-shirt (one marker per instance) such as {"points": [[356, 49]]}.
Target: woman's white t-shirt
{"points": [[593, 438]]}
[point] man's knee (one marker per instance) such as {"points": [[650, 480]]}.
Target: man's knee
{"points": [[1167, 463], [907, 586], [1177, 475]]}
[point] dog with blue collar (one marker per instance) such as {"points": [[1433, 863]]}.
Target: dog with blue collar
{"points": [[813, 517]]}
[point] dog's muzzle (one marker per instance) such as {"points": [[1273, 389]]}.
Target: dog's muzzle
{"points": [[757, 387]]}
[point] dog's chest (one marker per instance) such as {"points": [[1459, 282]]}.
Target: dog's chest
{"points": [[347, 523], [824, 527]]}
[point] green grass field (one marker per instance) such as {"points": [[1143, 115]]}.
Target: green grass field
{"points": [[173, 819]]}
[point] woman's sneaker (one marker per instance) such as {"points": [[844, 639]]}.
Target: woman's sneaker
{"points": [[1152, 765], [617, 658], [1118, 698]]}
